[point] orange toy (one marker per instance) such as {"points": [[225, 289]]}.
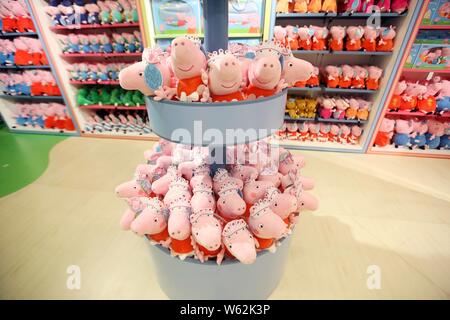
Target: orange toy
{"points": [[23, 58], [228, 97], [264, 243], [162, 236], [345, 82], [372, 84], [189, 85], [313, 81], [314, 6], [382, 139], [408, 103], [395, 102], [426, 105], [182, 246], [258, 92], [385, 45]]}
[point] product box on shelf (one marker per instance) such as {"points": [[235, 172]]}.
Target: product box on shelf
{"points": [[441, 15], [245, 17], [431, 10], [432, 56], [415, 49], [176, 17]]}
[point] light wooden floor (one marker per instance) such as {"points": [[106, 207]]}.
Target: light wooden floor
{"points": [[392, 212]]}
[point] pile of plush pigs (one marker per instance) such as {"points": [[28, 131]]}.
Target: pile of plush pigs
{"points": [[207, 211], [185, 72]]}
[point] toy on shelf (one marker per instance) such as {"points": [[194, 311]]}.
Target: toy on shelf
{"points": [[240, 226], [104, 121], [22, 51], [79, 12], [108, 96], [101, 43], [14, 17], [29, 83], [352, 77]]}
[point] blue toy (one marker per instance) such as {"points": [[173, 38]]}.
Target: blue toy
{"points": [[401, 139], [432, 143], [419, 141], [445, 142], [443, 105]]}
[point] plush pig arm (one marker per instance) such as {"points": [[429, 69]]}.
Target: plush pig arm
{"points": [[307, 183], [281, 86], [127, 219]]}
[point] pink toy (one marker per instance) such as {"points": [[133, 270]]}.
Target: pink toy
{"points": [[305, 200], [305, 34], [203, 197], [327, 108], [354, 135], [399, 6], [386, 42], [292, 130], [179, 228], [332, 76], [384, 5], [230, 204], [279, 34], [337, 38], [319, 40], [341, 107], [178, 188], [133, 188], [354, 35], [255, 190], [385, 133], [282, 204], [359, 80], [188, 63], [163, 147], [264, 73], [373, 81], [288, 161], [369, 43], [224, 77], [324, 132], [351, 6], [274, 178], [266, 225], [221, 177], [334, 132], [161, 185], [296, 70], [244, 172], [152, 221], [292, 37], [239, 242], [147, 76], [343, 136], [207, 233]]}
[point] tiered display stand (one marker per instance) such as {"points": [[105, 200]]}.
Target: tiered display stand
{"points": [[388, 61], [190, 279], [69, 87], [416, 75], [7, 102]]}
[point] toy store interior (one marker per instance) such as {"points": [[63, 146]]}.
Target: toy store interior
{"points": [[119, 180]]}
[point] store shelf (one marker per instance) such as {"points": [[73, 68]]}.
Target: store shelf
{"points": [[435, 27], [412, 70], [336, 15], [317, 146], [353, 91], [310, 51], [288, 118], [23, 67], [90, 82], [363, 53], [344, 121], [18, 34], [417, 114], [102, 55], [95, 26], [231, 36], [38, 98], [44, 131], [109, 107], [304, 89], [121, 135], [390, 150]]}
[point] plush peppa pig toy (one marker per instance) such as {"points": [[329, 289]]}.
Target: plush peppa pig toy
{"points": [[179, 228], [239, 241], [333, 74], [319, 40], [296, 70], [292, 37], [373, 80], [337, 38], [360, 77], [304, 38], [436, 130], [280, 34], [384, 5], [354, 35], [334, 133], [329, 6], [327, 108], [354, 135], [394, 104], [264, 73], [348, 73], [418, 138], [369, 42], [341, 107], [443, 98], [224, 77], [403, 130], [324, 132], [352, 109], [230, 203], [292, 130], [386, 42], [313, 80], [385, 133], [314, 6], [301, 6], [399, 6]]}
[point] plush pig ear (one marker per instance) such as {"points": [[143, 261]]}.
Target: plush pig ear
{"points": [[310, 32], [152, 76]]}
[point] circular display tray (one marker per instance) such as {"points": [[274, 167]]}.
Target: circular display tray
{"points": [[223, 123], [190, 279]]}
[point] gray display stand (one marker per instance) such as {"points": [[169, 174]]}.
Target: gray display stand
{"points": [[175, 121]]}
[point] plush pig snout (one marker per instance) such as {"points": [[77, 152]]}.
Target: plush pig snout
{"points": [[244, 252]]}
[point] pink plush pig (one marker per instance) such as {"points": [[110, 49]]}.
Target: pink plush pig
{"points": [[344, 132], [399, 6], [267, 226], [341, 107], [147, 76], [369, 42], [161, 185], [163, 147], [296, 70], [188, 63], [334, 132], [179, 228], [354, 35], [305, 200], [337, 38], [333, 74], [239, 241], [386, 42], [207, 234], [152, 221], [292, 37], [203, 196], [282, 204], [255, 190], [385, 133], [304, 38], [224, 77], [288, 161], [373, 81], [133, 188], [201, 173], [230, 203], [327, 108], [178, 188], [221, 177], [264, 73], [354, 135], [292, 176], [244, 172], [384, 5], [274, 178], [280, 34], [319, 40]]}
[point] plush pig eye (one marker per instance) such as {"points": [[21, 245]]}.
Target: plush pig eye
{"points": [[229, 246], [261, 226], [223, 201], [290, 64], [257, 187], [276, 204], [156, 219], [196, 233], [140, 74], [135, 187]]}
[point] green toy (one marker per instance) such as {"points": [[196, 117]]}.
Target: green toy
{"points": [[105, 96], [93, 95], [82, 97], [138, 98], [127, 99], [116, 94]]}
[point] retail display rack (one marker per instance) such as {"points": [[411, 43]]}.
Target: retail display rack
{"points": [[410, 72], [388, 61], [8, 109]]}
